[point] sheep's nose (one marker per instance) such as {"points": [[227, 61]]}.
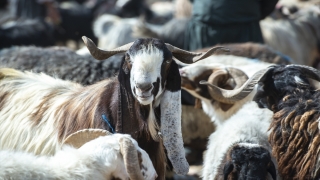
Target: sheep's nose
{"points": [[144, 87]]}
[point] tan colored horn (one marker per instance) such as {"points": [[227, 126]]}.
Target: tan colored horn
{"points": [[100, 54], [130, 157], [239, 77], [232, 96], [81, 137], [191, 57]]}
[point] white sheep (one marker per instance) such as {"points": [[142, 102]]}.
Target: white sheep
{"points": [[241, 137], [240, 142], [105, 157]]}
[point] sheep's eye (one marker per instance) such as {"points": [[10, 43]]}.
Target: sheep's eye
{"points": [[168, 61]]}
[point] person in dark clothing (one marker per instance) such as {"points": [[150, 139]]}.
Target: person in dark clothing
{"points": [[226, 21]]}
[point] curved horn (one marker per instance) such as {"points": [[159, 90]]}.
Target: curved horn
{"points": [[81, 137], [191, 57], [272, 170], [100, 54], [232, 96], [228, 167], [130, 158], [239, 77], [309, 71]]}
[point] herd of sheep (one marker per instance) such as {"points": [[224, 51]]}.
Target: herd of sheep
{"points": [[132, 104]]}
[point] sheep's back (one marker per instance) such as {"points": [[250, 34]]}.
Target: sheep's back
{"points": [[60, 62]]}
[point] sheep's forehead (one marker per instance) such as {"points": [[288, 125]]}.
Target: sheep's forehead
{"points": [[248, 145], [150, 51]]}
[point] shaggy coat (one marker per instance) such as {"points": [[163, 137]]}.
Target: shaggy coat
{"points": [[295, 138]]}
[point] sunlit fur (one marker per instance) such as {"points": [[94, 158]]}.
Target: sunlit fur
{"points": [[32, 110], [98, 159]]}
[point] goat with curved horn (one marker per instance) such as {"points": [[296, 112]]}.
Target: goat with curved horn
{"points": [[182, 55], [232, 96], [237, 75]]}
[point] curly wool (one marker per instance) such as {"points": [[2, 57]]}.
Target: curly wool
{"points": [[294, 137]]}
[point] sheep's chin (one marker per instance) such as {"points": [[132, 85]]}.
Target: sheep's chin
{"points": [[145, 100]]}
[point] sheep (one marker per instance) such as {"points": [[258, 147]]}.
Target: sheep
{"points": [[215, 107], [58, 107], [27, 32], [96, 155], [60, 62], [291, 92], [239, 149], [297, 36], [241, 127]]}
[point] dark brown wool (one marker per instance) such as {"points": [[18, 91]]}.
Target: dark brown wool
{"points": [[294, 136]]}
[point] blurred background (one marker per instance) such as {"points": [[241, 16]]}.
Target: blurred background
{"points": [[45, 36]]}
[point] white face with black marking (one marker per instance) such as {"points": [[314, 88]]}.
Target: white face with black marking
{"points": [[148, 65]]}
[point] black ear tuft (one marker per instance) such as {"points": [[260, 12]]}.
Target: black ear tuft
{"points": [[228, 167], [125, 68], [173, 79]]}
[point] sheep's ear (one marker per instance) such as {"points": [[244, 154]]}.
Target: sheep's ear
{"points": [[173, 82], [170, 118], [81, 137], [228, 167], [130, 158]]}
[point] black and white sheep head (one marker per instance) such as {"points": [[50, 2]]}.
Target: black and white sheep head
{"points": [[154, 77], [278, 82], [246, 161], [149, 62], [273, 83]]}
